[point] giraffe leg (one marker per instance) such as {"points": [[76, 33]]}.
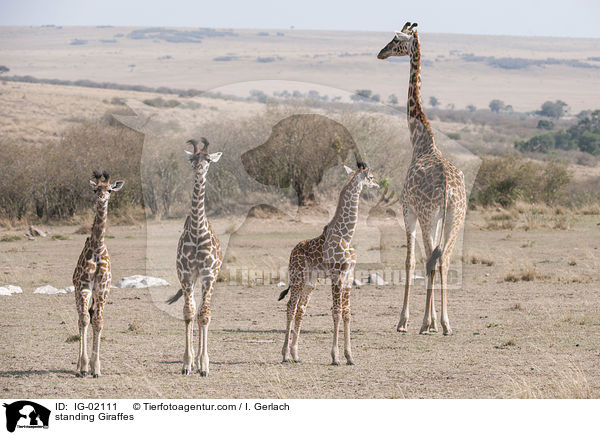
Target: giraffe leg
{"points": [[410, 223], [444, 297], [428, 229], [101, 291], [300, 311], [189, 310], [97, 326], [346, 317], [84, 298], [203, 322], [336, 291], [456, 223], [295, 292]]}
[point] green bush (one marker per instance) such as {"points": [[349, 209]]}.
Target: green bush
{"points": [[504, 180], [585, 136]]}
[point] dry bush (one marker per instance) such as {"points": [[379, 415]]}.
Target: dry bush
{"points": [[51, 182]]}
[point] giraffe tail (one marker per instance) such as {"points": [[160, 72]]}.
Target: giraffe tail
{"points": [[433, 259], [175, 297], [283, 294]]}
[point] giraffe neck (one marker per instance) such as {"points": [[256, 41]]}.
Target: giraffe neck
{"points": [[421, 134], [199, 222], [99, 226], [345, 219]]}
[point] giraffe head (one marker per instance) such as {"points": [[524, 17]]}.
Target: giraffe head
{"points": [[200, 158], [400, 45], [362, 176], [103, 187]]}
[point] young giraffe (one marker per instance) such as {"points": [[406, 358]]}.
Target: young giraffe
{"points": [[199, 256], [329, 255], [92, 277], [434, 190]]}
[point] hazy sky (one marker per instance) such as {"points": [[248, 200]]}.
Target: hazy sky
{"points": [[577, 18]]}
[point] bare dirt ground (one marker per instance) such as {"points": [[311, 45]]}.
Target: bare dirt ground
{"points": [[534, 338]]}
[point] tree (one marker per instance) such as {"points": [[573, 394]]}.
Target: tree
{"points": [[497, 105], [471, 108], [4, 69], [434, 102], [392, 99], [544, 124], [298, 153], [554, 109]]}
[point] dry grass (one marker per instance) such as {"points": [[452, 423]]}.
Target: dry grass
{"points": [[10, 238], [141, 354], [566, 383], [527, 273], [481, 260]]}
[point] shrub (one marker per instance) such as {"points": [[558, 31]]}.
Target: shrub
{"points": [[160, 102], [54, 184], [585, 136], [496, 105], [503, 180], [544, 124], [554, 109]]}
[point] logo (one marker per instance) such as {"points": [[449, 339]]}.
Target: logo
{"points": [[26, 414]]}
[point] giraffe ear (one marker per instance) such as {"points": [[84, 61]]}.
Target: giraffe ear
{"points": [[214, 157], [117, 186], [348, 170]]}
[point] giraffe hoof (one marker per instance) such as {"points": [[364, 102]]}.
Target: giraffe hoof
{"points": [[350, 363], [204, 374], [335, 363], [186, 372], [449, 332], [81, 374], [95, 376], [401, 329]]}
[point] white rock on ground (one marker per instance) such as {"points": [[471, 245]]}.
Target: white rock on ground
{"points": [[376, 279], [140, 281], [48, 290], [281, 284], [7, 290]]}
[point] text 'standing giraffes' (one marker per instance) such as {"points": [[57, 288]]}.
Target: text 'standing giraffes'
{"points": [[199, 257], [328, 256], [92, 277], [434, 191]]}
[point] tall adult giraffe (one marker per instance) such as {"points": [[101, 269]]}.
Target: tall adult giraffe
{"points": [[92, 277], [329, 255], [434, 191], [199, 257]]}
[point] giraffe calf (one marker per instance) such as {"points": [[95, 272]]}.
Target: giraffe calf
{"points": [[92, 277], [329, 255]]}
